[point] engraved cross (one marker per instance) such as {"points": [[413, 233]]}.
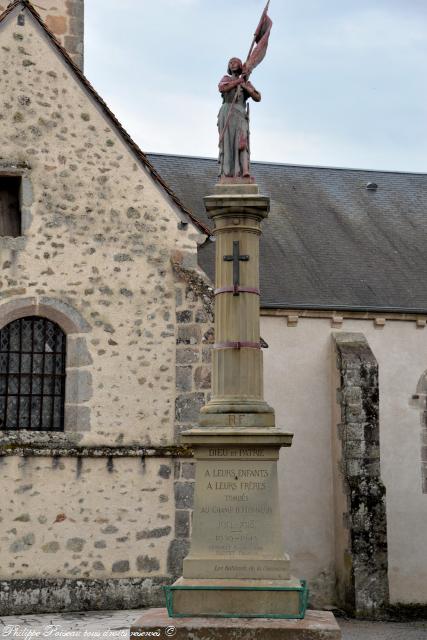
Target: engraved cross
{"points": [[236, 258]]}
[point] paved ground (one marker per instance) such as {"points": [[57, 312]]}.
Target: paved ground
{"points": [[357, 630], [115, 625]]}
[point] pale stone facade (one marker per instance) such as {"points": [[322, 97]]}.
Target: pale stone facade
{"points": [[106, 517], [107, 254], [100, 239]]}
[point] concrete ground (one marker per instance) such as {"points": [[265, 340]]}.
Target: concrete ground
{"points": [[115, 625], [360, 630]]}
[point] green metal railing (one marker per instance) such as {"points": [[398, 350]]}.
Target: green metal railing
{"points": [[302, 591]]}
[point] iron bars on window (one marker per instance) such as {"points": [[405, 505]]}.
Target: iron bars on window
{"points": [[32, 375]]}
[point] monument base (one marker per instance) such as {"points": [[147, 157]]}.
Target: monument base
{"points": [[237, 598], [317, 625]]}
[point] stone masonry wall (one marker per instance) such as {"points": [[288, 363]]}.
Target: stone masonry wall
{"points": [[99, 238], [195, 336], [91, 514], [194, 339], [106, 517], [65, 19], [362, 582], [107, 520]]}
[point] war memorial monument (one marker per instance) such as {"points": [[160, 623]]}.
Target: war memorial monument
{"points": [[237, 579]]}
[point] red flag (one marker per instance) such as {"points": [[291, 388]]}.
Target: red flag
{"points": [[262, 35]]}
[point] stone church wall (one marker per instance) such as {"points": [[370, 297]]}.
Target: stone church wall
{"points": [[298, 384], [97, 516], [65, 19], [100, 239], [106, 517]]}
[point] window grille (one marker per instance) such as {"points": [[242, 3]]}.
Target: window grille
{"points": [[32, 375]]}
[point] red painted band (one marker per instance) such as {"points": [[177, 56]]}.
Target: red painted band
{"points": [[237, 345], [238, 289]]}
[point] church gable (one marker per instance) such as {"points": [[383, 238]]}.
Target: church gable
{"points": [[65, 19], [97, 230], [21, 13]]}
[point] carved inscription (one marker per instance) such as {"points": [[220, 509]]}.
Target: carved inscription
{"points": [[251, 569], [238, 452], [236, 519], [237, 511], [236, 479]]}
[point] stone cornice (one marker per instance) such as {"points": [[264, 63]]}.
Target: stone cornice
{"points": [[338, 316], [37, 449]]}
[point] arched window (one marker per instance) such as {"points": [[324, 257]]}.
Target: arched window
{"points": [[32, 375]]}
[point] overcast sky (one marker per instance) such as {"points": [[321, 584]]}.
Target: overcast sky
{"points": [[343, 83]]}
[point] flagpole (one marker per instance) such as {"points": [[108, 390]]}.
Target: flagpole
{"points": [[236, 95], [257, 29]]}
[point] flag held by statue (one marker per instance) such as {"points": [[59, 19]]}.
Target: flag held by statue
{"points": [[260, 42]]}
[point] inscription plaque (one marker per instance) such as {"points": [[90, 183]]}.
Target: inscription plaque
{"points": [[236, 521]]}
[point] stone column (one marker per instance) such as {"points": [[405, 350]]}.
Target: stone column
{"points": [[237, 564], [237, 383]]}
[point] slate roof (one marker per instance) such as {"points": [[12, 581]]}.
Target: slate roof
{"points": [[329, 242], [26, 4]]}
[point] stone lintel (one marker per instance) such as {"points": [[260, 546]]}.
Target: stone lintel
{"points": [[227, 436], [317, 625]]}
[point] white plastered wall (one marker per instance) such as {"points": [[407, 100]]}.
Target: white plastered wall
{"points": [[298, 385]]}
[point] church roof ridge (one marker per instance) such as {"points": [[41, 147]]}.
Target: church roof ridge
{"points": [[330, 241], [125, 135], [292, 164]]}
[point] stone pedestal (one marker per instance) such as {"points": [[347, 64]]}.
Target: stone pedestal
{"points": [[238, 598], [317, 625], [236, 517], [237, 564]]}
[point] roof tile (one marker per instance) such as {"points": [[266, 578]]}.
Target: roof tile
{"points": [[329, 242]]}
